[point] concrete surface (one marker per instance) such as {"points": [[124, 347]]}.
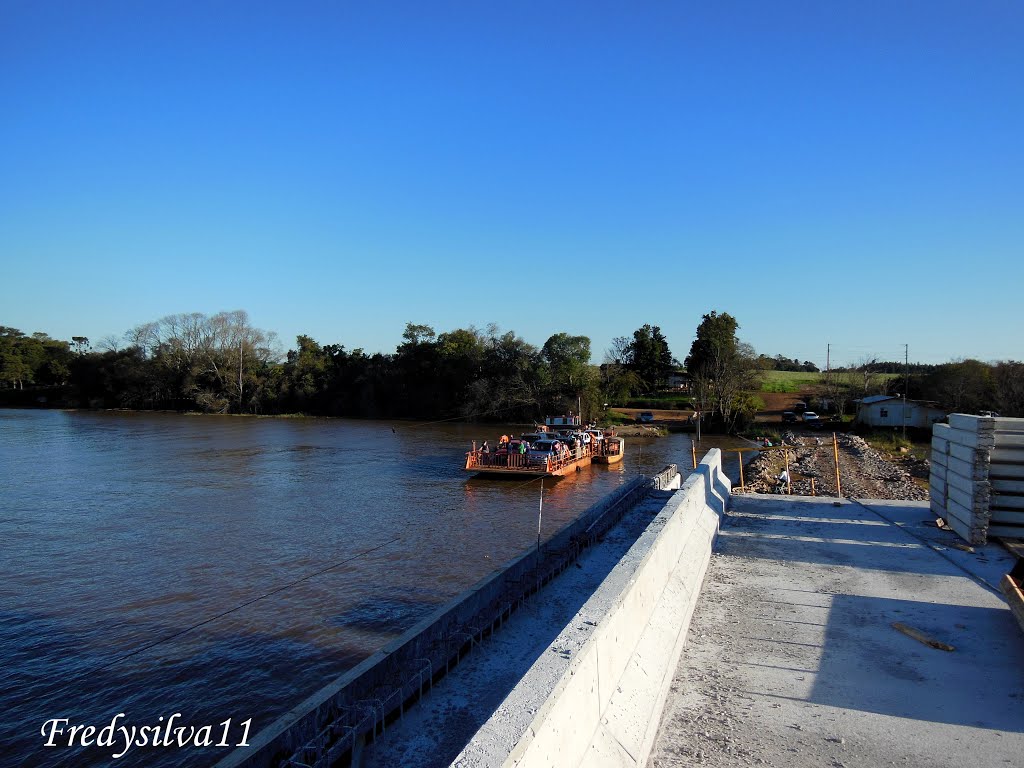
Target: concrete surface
{"points": [[792, 659]]}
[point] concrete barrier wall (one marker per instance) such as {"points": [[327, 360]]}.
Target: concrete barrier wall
{"points": [[976, 481], [330, 725], [606, 708]]}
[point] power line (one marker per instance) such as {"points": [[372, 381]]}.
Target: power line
{"points": [[470, 415], [236, 608]]}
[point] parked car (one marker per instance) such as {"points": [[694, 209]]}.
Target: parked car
{"points": [[645, 418], [541, 450], [788, 417], [800, 406], [811, 416]]}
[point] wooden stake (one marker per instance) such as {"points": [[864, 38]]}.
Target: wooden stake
{"points": [[693, 450], [921, 637], [739, 455], [540, 512], [835, 450]]}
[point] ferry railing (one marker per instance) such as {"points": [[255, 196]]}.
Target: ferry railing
{"points": [[477, 459], [480, 460]]}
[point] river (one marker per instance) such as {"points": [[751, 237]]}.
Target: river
{"points": [[227, 567]]}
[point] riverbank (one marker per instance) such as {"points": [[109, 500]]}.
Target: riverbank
{"points": [[640, 430]]}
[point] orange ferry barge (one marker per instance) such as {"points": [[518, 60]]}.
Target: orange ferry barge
{"points": [[546, 453]]}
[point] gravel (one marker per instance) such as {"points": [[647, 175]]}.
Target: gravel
{"points": [[863, 472]]}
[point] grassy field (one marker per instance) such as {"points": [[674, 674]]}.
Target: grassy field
{"points": [[613, 418], [800, 381], [789, 381]]}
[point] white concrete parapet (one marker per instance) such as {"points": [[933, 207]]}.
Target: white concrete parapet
{"points": [[605, 709], [977, 476]]}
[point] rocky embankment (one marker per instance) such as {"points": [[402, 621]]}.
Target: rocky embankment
{"points": [[863, 472], [640, 430]]}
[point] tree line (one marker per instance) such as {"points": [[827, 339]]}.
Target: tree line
{"points": [[223, 364], [959, 386]]}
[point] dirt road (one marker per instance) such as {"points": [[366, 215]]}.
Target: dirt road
{"points": [[863, 472]]}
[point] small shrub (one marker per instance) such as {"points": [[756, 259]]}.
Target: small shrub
{"points": [[613, 418]]}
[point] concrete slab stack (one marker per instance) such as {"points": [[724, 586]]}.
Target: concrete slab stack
{"points": [[977, 476], [1006, 477]]}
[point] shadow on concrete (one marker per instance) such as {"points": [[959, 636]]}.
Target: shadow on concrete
{"points": [[855, 658], [868, 665], [801, 529]]}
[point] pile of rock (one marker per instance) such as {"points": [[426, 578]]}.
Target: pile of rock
{"points": [[864, 472]]}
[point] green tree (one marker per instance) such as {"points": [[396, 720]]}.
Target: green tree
{"points": [[416, 385], [648, 356], [571, 380], [307, 375], [568, 358], [716, 338], [618, 383], [1008, 388], [963, 386], [35, 359], [510, 381], [13, 369], [723, 370]]}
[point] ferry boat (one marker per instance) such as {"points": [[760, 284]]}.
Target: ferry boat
{"points": [[548, 451], [614, 449]]}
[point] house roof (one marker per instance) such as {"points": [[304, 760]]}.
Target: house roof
{"points": [[886, 398]]}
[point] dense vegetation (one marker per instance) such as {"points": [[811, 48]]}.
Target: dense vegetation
{"points": [[962, 386], [223, 364]]}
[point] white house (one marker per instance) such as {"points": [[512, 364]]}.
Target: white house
{"points": [[888, 411], [678, 380]]}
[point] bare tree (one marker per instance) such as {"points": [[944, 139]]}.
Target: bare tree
{"points": [[110, 343], [836, 386], [215, 359], [619, 351]]}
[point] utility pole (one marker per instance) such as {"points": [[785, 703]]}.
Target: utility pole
{"points": [[906, 383], [239, 375]]}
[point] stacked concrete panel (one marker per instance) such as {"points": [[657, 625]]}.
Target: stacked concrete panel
{"points": [[959, 485], [977, 476], [1006, 478]]}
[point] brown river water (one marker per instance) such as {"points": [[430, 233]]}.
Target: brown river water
{"points": [[219, 567]]}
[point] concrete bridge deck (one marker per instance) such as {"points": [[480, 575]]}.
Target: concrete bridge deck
{"points": [[792, 659]]}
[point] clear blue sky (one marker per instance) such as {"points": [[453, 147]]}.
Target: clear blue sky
{"points": [[829, 173]]}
